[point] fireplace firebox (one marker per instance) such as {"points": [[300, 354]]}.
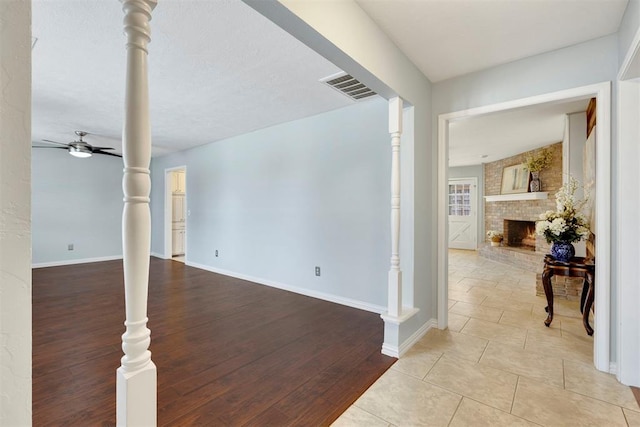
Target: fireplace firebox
{"points": [[520, 234]]}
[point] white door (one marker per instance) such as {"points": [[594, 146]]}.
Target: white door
{"points": [[463, 220]]}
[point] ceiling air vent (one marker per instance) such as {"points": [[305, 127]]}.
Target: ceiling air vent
{"points": [[348, 85]]}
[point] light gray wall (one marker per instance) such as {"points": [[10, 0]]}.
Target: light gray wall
{"points": [[579, 65], [587, 63], [277, 202], [628, 28], [475, 171], [75, 201], [343, 33]]}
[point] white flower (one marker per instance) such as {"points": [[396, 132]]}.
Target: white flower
{"points": [[541, 227], [493, 233], [558, 226], [547, 215], [583, 231], [566, 223]]}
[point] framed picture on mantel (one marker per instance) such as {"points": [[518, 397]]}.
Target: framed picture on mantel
{"points": [[515, 179]]}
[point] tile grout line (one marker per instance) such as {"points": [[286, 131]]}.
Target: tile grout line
{"points": [[374, 415], [592, 397], [513, 400], [456, 411], [424, 378], [501, 410]]}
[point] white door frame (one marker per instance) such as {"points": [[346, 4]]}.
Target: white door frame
{"points": [[628, 370], [602, 93], [474, 206], [168, 252]]}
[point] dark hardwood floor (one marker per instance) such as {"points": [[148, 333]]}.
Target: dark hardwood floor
{"points": [[228, 352]]}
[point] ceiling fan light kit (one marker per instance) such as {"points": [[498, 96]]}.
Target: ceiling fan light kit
{"points": [[80, 148], [80, 151]]}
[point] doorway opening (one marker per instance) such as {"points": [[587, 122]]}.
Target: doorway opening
{"points": [[602, 93], [176, 214]]}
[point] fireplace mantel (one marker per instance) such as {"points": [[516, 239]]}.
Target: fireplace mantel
{"points": [[540, 195]]}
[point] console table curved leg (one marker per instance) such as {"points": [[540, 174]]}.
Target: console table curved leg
{"points": [[548, 292], [588, 304]]}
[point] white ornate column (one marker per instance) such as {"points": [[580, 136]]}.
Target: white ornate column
{"points": [[397, 315], [395, 274], [136, 377]]}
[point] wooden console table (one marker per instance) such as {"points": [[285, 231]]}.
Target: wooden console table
{"points": [[576, 267]]}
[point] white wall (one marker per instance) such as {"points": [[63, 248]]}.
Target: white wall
{"points": [[628, 176], [75, 201], [475, 171], [572, 159], [15, 238], [574, 150], [277, 202]]}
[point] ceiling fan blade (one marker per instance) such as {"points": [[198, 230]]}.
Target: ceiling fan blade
{"points": [[54, 142], [94, 148], [106, 153], [42, 146]]}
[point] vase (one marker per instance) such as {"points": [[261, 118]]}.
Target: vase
{"points": [[562, 251], [535, 185], [495, 243]]}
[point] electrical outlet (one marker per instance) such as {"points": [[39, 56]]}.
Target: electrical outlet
{"points": [[70, 247], [216, 253], [317, 271]]}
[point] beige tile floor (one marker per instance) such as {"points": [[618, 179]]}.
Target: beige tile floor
{"points": [[497, 364]]}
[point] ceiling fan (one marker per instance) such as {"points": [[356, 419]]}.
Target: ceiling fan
{"points": [[80, 148]]}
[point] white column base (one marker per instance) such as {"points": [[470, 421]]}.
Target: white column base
{"points": [[136, 397], [393, 344]]}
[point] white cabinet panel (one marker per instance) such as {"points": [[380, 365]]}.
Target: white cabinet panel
{"points": [[178, 182], [177, 240], [178, 208]]}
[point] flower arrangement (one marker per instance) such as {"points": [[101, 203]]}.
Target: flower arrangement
{"points": [[495, 236], [537, 162], [565, 224]]}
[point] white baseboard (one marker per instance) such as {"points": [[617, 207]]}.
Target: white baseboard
{"points": [[417, 335], [158, 255], [302, 291], [75, 261], [398, 352], [613, 368]]}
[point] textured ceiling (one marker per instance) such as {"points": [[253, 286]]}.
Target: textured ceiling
{"points": [[448, 38], [495, 136], [216, 69]]}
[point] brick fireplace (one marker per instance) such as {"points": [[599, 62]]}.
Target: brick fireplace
{"points": [[516, 220], [520, 234], [496, 212]]}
